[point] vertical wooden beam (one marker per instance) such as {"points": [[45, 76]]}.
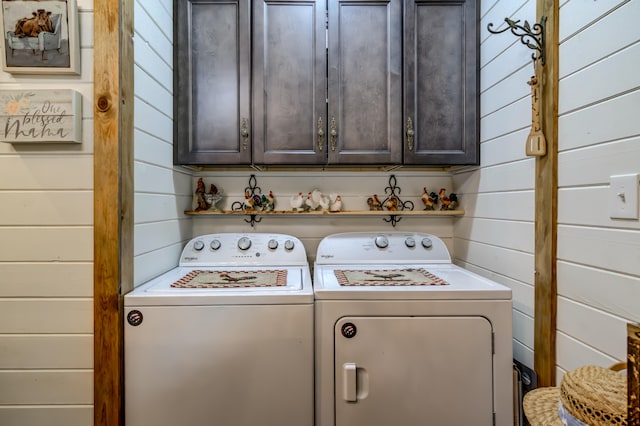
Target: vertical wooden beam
{"points": [[113, 199], [546, 197]]}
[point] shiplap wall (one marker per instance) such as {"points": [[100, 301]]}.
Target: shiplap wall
{"points": [[599, 136], [598, 258], [162, 191], [495, 238], [46, 263]]}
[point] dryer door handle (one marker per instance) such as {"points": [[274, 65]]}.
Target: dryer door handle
{"points": [[350, 382]]}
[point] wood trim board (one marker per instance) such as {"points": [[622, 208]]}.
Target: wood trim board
{"points": [[113, 199], [546, 211]]}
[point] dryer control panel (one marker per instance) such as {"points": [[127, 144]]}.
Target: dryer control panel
{"points": [[383, 247]]}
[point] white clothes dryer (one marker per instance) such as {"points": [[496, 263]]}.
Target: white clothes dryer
{"points": [[404, 337]]}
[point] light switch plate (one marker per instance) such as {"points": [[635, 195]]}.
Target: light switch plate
{"points": [[623, 196]]}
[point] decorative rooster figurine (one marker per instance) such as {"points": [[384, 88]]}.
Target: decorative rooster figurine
{"points": [[429, 200], [374, 202], [392, 204], [269, 202], [444, 200], [336, 203], [297, 201]]}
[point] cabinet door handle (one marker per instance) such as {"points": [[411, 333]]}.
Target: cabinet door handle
{"points": [[244, 132], [320, 134], [334, 133], [410, 134]]}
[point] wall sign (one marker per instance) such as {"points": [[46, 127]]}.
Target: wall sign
{"points": [[36, 116]]}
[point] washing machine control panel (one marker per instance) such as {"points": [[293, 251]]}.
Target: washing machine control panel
{"points": [[243, 249], [385, 247]]}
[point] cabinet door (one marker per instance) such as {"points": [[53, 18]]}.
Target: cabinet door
{"points": [[289, 82], [211, 82], [365, 87], [441, 82]]}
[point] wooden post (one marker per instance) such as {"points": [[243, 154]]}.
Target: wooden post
{"points": [[546, 197], [113, 199], [633, 374]]}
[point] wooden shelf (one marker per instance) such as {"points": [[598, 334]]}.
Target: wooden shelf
{"points": [[326, 213]]}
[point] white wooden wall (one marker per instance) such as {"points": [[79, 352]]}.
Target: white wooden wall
{"points": [[599, 107], [495, 238], [599, 131], [162, 191], [46, 263]]}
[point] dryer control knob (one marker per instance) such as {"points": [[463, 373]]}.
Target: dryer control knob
{"points": [[427, 243], [410, 242], [289, 245], [382, 241], [215, 245], [198, 245], [244, 243], [272, 244]]}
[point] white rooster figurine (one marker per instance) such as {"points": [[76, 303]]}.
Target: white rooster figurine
{"points": [[297, 201]]}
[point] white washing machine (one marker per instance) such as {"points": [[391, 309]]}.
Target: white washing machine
{"points": [[406, 338], [226, 338]]}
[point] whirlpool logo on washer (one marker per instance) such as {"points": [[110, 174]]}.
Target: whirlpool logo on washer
{"points": [[327, 256]]}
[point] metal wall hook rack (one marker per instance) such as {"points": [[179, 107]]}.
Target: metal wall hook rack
{"points": [[393, 197], [253, 189], [530, 36]]}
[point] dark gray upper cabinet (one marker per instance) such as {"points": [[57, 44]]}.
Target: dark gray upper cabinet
{"points": [[212, 82], [441, 82], [289, 82], [326, 82], [365, 82]]}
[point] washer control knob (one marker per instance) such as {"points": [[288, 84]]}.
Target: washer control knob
{"points": [[382, 241], [244, 243], [215, 245], [410, 242], [289, 245], [272, 244], [198, 245], [427, 243]]}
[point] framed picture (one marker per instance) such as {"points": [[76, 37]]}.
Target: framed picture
{"points": [[40, 37]]}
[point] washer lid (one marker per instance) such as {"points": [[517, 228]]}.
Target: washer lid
{"points": [[402, 281], [224, 286]]}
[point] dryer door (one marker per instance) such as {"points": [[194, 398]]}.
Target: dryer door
{"points": [[407, 371]]}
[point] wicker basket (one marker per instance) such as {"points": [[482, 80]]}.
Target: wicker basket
{"points": [[596, 396]]}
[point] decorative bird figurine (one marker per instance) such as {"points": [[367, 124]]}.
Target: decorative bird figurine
{"points": [[325, 202], [297, 201], [200, 195], [269, 202], [336, 203], [249, 202], [453, 197], [444, 200], [428, 200], [374, 202], [310, 203], [213, 197], [392, 204]]}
